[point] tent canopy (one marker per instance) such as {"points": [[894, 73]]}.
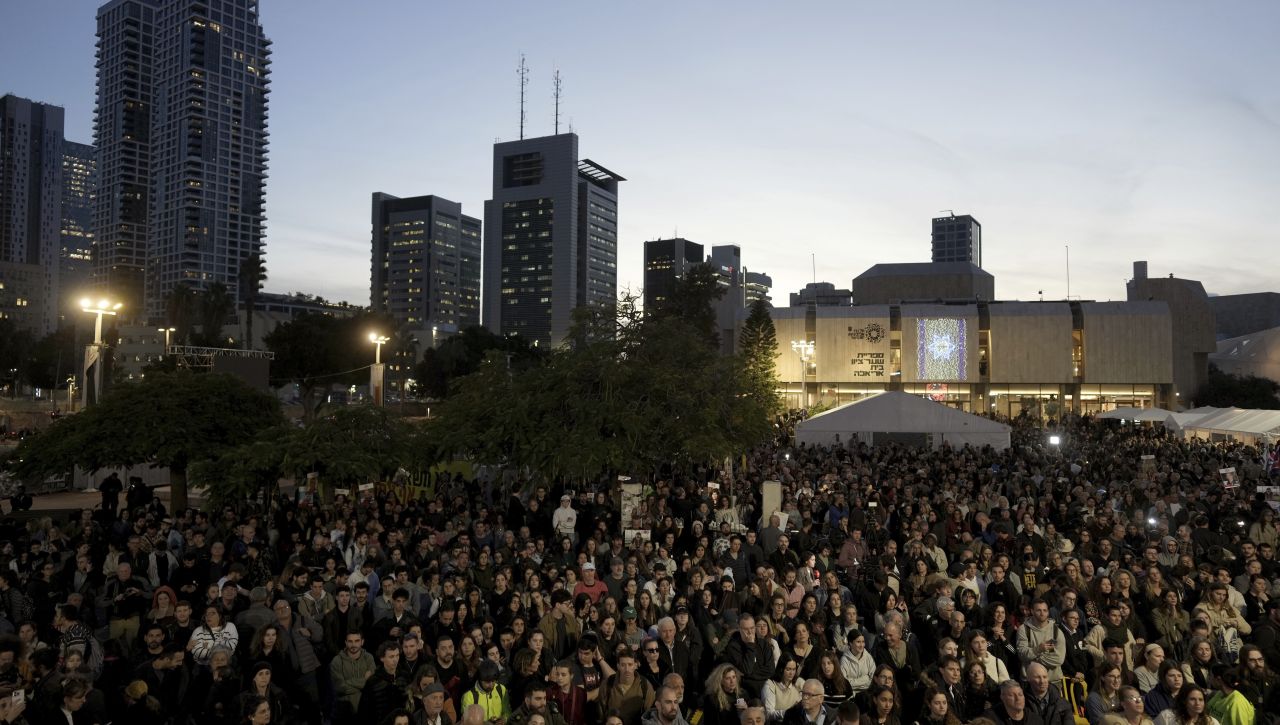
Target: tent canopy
{"points": [[1240, 422], [1147, 415], [901, 417]]}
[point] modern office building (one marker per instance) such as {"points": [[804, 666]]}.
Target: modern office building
{"points": [[79, 190], [822, 294], [181, 133], [757, 286], [30, 212], [666, 261], [957, 239], [536, 271], [1244, 314], [426, 262]]}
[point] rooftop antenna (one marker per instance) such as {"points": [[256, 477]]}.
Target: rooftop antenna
{"points": [[1068, 246], [948, 212], [557, 85], [523, 72], [813, 258]]}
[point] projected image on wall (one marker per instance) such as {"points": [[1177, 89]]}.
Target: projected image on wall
{"points": [[940, 348]]}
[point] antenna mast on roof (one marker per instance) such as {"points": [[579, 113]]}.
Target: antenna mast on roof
{"points": [[523, 72], [557, 85]]}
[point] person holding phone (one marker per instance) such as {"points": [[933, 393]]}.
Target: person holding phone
{"points": [[725, 699]]}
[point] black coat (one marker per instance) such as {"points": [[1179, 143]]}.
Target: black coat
{"points": [[381, 694], [753, 660]]}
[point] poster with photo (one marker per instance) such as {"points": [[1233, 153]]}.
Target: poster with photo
{"points": [[1272, 496], [1229, 480]]}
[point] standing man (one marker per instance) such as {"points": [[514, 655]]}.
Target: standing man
{"points": [[349, 670], [125, 599]]}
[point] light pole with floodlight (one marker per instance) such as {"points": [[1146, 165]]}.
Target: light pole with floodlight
{"points": [[167, 332], [375, 372], [93, 354], [804, 349]]}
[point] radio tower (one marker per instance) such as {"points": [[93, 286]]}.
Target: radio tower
{"points": [[557, 85], [523, 72]]}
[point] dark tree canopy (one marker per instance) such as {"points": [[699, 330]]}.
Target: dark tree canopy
{"points": [[161, 420], [1226, 390]]}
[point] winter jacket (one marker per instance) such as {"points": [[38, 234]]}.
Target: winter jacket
{"points": [[753, 660], [349, 676], [1053, 708]]}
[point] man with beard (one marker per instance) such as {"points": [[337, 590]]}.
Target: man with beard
{"points": [[1259, 685]]}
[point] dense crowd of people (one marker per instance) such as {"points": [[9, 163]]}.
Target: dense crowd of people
{"points": [[1114, 579]]}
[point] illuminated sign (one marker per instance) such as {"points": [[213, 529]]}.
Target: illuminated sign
{"points": [[941, 348]]}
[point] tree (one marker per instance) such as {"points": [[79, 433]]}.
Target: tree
{"points": [[462, 354], [758, 346], [631, 394], [693, 300], [54, 359], [1227, 390], [162, 420], [180, 309], [316, 350], [252, 275], [215, 307]]}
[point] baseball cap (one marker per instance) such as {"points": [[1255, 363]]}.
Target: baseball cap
{"points": [[588, 566], [629, 613]]}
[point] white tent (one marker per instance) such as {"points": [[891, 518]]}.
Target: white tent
{"points": [[1246, 426], [896, 416]]}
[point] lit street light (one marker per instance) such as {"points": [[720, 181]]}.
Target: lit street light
{"points": [[804, 349], [93, 356], [375, 372], [167, 331]]}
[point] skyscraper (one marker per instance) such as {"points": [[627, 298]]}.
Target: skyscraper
{"points": [[535, 270], [957, 239], [426, 262], [666, 261], [30, 212], [79, 189], [182, 139]]}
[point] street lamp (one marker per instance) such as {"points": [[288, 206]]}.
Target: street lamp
{"points": [[93, 356], [804, 349], [167, 331], [375, 372]]}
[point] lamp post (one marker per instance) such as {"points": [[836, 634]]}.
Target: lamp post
{"points": [[93, 355], [375, 372], [167, 331], [804, 349]]}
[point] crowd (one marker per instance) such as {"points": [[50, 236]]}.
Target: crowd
{"points": [[1112, 579]]}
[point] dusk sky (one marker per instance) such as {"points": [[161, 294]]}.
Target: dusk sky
{"points": [[1135, 130]]}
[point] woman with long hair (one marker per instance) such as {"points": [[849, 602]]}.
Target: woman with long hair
{"points": [[802, 647], [980, 692], [975, 650], [936, 709], [1131, 712], [856, 664], [884, 707], [646, 611], [269, 645], [1198, 669], [469, 656], [1171, 622], [837, 688], [1105, 697], [1190, 707], [1001, 637], [163, 603], [724, 698], [782, 691], [777, 618]]}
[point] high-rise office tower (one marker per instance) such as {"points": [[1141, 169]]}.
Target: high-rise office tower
{"points": [[79, 189], [758, 285], [182, 139], [426, 262], [536, 271], [666, 261], [957, 239], [30, 212]]}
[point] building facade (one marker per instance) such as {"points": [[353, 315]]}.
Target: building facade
{"points": [[666, 261], [822, 294], [426, 262], [181, 132], [923, 281], [957, 239], [1193, 336], [79, 190], [536, 271], [30, 212], [758, 285], [1039, 358]]}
